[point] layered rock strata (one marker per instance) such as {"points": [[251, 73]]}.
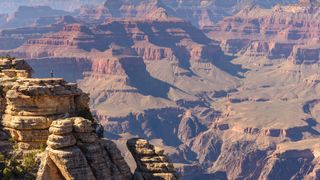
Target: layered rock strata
{"points": [[32, 104], [151, 161], [281, 32], [28, 106], [75, 152], [52, 113]]}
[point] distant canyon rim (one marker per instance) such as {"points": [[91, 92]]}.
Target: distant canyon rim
{"points": [[229, 94]]}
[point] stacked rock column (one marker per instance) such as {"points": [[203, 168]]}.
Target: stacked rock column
{"points": [[65, 154], [75, 152], [151, 161]]}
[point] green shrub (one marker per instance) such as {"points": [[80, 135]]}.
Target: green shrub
{"points": [[2, 158], [29, 160], [7, 173], [42, 147]]}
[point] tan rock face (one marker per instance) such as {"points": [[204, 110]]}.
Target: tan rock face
{"points": [[52, 113], [33, 104], [30, 105], [151, 161], [80, 154]]}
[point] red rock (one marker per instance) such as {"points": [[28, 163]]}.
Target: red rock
{"points": [[270, 32]]}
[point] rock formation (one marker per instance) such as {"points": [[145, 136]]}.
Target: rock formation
{"points": [[174, 39], [280, 32], [252, 112], [32, 104], [52, 113], [200, 13], [151, 162], [75, 152]]}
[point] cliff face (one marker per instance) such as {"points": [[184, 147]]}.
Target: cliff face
{"points": [[160, 78], [51, 113], [271, 32], [151, 162], [12, 38], [28, 118], [75, 152], [200, 13], [158, 36]]}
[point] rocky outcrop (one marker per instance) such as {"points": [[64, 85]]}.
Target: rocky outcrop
{"points": [[53, 114], [151, 162], [32, 104], [75, 152], [159, 78]]}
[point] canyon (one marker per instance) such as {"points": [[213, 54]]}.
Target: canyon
{"points": [[200, 13], [54, 136], [289, 32], [233, 97]]}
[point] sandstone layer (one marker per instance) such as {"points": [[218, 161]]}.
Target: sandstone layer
{"points": [[75, 152], [281, 32], [151, 162], [53, 114], [248, 113]]}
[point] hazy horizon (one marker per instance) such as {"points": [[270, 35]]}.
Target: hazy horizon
{"points": [[9, 6]]}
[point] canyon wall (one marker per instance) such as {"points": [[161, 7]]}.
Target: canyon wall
{"points": [[278, 33], [53, 114]]}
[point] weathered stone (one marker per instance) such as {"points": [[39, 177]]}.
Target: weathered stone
{"points": [[28, 135], [40, 112], [72, 163], [151, 164], [99, 160], [82, 125], [116, 157], [30, 105], [48, 170], [61, 127], [81, 155], [62, 123], [61, 141], [60, 131], [86, 137], [26, 122], [158, 151]]}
